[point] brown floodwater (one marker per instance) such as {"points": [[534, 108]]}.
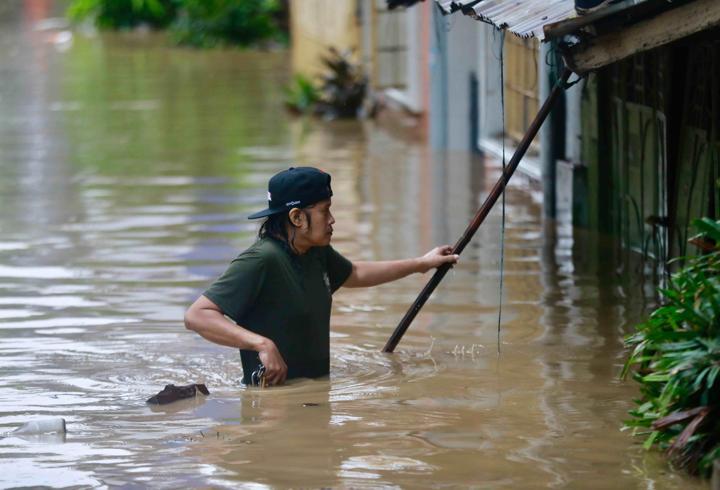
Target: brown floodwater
{"points": [[127, 167]]}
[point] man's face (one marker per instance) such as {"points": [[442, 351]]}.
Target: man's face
{"points": [[318, 230]]}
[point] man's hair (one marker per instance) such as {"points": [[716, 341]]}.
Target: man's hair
{"points": [[275, 226]]}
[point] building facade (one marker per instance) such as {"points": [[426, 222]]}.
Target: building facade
{"points": [[632, 149]]}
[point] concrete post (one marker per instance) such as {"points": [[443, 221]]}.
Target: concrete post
{"points": [[438, 82], [547, 152]]}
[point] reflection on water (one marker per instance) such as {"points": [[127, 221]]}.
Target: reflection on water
{"points": [[127, 167]]}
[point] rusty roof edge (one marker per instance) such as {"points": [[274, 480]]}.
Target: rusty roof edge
{"points": [[451, 6], [560, 28], [446, 6], [467, 6], [650, 32]]}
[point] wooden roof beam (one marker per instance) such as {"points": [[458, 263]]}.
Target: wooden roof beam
{"points": [[679, 22]]}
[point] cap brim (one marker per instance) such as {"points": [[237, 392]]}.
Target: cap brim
{"points": [[264, 213]]}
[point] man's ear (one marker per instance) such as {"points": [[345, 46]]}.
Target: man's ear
{"points": [[297, 218]]}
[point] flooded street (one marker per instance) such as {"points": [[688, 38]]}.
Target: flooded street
{"points": [[128, 167]]}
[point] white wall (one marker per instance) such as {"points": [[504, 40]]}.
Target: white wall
{"points": [[411, 97], [462, 53], [489, 42]]}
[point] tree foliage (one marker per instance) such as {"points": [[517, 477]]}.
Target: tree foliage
{"points": [[208, 23], [125, 14], [202, 23]]}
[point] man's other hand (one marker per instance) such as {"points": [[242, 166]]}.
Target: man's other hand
{"points": [[275, 367]]}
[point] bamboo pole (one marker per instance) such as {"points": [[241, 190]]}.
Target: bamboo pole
{"points": [[482, 213]]}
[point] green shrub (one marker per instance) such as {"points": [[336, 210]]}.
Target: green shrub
{"points": [[124, 14], [301, 95], [207, 23], [676, 353], [343, 87], [341, 91], [202, 23]]}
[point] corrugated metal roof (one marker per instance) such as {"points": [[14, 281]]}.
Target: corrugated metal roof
{"points": [[527, 18]]}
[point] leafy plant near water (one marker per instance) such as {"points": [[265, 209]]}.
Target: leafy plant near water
{"points": [[301, 94], [340, 93], [343, 85], [202, 23], [676, 353]]}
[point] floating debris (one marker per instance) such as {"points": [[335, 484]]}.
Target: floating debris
{"points": [[173, 393], [364, 308], [44, 426]]}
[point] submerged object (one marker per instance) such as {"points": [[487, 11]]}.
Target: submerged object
{"points": [[173, 393], [257, 378], [44, 426]]}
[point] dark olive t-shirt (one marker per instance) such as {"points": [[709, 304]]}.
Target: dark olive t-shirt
{"points": [[285, 297]]}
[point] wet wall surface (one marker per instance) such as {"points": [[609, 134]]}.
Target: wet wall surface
{"points": [[127, 169]]}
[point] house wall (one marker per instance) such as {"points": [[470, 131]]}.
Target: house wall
{"points": [[651, 145], [496, 51], [453, 62], [439, 73], [462, 64], [395, 53], [488, 69], [316, 25]]}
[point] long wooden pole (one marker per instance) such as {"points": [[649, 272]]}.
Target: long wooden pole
{"points": [[482, 212]]}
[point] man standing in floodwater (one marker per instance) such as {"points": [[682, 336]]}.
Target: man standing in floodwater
{"points": [[279, 291]]}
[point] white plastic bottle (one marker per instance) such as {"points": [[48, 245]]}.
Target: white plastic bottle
{"points": [[44, 426]]}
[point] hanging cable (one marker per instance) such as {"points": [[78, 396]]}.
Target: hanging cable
{"points": [[502, 224]]}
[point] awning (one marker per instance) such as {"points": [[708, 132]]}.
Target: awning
{"points": [[649, 26], [524, 18], [528, 18], [591, 41]]}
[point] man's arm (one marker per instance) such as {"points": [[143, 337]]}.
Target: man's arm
{"points": [[366, 274], [207, 319]]}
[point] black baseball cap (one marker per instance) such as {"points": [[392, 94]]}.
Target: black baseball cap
{"points": [[295, 187]]}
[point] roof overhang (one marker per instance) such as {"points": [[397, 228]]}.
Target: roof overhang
{"points": [[605, 36], [663, 28], [524, 18]]}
